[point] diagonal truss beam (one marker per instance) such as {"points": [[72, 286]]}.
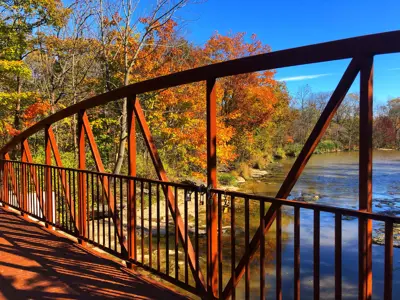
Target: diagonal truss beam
{"points": [[197, 274], [104, 180], [62, 174], [297, 168]]}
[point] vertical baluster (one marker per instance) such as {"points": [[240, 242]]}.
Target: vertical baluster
{"points": [[262, 251], [338, 256], [316, 253], [115, 227], [166, 232], [220, 247], [134, 221], [196, 232], [93, 200], [158, 227], [60, 201], [103, 210], [150, 227], [233, 242], [297, 253], [121, 210], [388, 281], [176, 235], [88, 189], [142, 219], [109, 211], [186, 236], [247, 241], [98, 207]]}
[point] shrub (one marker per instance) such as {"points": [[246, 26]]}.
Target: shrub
{"points": [[226, 179], [279, 153], [293, 150], [327, 146]]}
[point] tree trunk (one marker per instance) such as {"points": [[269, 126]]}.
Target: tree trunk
{"points": [[123, 132]]}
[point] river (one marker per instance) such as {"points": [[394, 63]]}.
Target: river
{"points": [[331, 179]]}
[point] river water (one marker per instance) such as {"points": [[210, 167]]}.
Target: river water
{"points": [[331, 179]]}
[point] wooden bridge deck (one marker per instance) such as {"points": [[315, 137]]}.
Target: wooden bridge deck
{"points": [[37, 264]]}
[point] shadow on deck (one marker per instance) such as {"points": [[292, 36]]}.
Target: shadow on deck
{"points": [[37, 264]]}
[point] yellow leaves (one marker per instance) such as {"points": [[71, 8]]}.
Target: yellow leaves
{"points": [[15, 68]]}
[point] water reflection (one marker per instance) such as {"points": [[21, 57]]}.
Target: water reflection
{"points": [[330, 179]]}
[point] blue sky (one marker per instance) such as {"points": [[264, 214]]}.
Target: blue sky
{"points": [[288, 24]]}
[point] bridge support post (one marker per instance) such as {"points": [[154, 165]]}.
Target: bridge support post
{"points": [[49, 193], [81, 179], [212, 205], [131, 187], [365, 179], [24, 187]]}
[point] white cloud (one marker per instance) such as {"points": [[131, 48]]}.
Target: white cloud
{"points": [[394, 69], [303, 77]]}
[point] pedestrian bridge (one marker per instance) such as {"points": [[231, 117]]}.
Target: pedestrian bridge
{"points": [[200, 240]]}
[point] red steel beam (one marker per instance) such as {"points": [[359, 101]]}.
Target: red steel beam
{"points": [[374, 44], [24, 189], [301, 161], [49, 192], [365, 178], [131, 185], [100, 168], [212, 181], [197, 274], [82, 178], [62, 175]]}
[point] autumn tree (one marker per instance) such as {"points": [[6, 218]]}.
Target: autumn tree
{"points": [[20, 24]]}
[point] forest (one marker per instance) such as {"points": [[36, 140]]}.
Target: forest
{"points": [[54, 54]]}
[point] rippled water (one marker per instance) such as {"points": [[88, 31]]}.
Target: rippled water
{"points": [[334, 178]]}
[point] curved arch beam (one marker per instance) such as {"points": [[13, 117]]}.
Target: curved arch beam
{"points": [[368, 45]]}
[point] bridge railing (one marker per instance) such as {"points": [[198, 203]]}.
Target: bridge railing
{"points": [[150, 228], [361, 52]]}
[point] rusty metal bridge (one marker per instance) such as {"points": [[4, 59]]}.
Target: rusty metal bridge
{"points": [[156, 225]]}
